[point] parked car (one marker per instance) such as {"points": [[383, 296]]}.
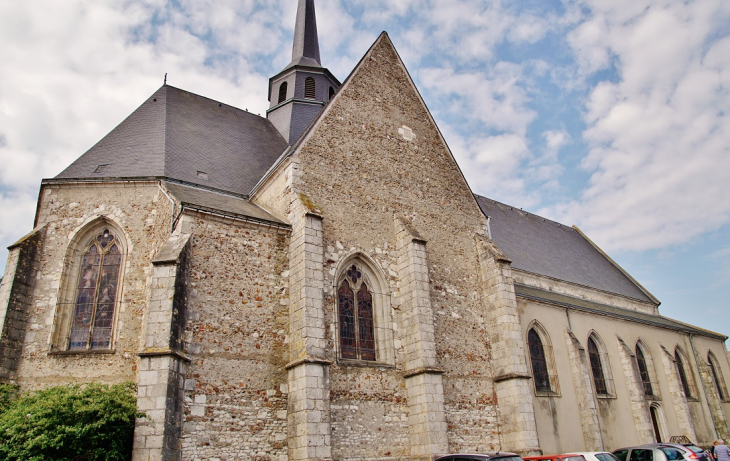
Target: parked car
{"points": [[649, 453], [597, 456], [498, 456], [563, 457], [690, 451]]}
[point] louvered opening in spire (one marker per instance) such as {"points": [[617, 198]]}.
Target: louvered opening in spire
{"points": [[306, 41]]}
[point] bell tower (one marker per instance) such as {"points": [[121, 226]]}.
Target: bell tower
{"points": [[298, 93]]}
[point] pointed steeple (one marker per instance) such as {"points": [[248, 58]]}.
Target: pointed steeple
{"points": [[306, 42], [298, 93]]}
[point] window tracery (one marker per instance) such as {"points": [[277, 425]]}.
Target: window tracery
{"points": [[96, 294], [356, 318]]}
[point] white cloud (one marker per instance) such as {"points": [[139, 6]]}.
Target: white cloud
{"points": [[659, 156]]}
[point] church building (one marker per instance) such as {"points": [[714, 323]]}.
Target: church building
{"points": [[322, 283]]}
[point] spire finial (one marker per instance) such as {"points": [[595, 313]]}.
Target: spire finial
{"points": [[306, 41]]}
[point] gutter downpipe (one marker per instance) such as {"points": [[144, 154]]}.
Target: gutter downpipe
{"points": [[704, 388], [172, 202]]}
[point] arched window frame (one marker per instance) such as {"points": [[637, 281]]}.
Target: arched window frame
{"points": [[647, 372], [685, 375], [717, 377], [283, 89], [603, 365], [331, 93], [374, 278], [659, 423], [310, 88], [73, 273], [549, 386]]}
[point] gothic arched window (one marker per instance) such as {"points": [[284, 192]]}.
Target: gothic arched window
{"points": [[717, 376], [282, 92], [538, 361], [96, 293], [644, 372], [331, 92], [599, 378], [310, 89], [684, 378], [356, 319]]}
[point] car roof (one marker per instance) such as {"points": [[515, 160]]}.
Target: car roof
{"points": [[499, 454]]}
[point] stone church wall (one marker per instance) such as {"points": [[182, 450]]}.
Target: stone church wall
{"points": [[376, 158], [237, 332], [144, 214]]}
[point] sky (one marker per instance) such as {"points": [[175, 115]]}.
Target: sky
{"points": [[611, 115]]}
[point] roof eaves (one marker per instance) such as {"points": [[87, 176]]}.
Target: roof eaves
{"points": [[611, 293], [232, 215], [560, 300]]}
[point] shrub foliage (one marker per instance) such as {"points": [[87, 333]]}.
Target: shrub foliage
{"points": [[72, 423]]}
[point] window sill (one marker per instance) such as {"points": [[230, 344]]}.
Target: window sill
{"points": [[89, 352], [363, 363], [547, 394], [606, 396]]}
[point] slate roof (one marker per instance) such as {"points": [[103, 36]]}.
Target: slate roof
{"points": [[217, 202], [180, 135], [544, 247]]}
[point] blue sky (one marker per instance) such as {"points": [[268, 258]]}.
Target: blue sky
{"points": [[608, 114]]}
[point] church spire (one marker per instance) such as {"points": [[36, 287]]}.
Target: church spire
{"points": [[306, 41], [298, 93]]}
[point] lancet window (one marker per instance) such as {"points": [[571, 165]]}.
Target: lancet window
{"points": [[356, 319], [685, 376], [644, 372], [538, 361], [717, 376], [599, 378], [96, 294]]}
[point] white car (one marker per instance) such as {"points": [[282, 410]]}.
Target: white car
{"points": [[597, 455]]}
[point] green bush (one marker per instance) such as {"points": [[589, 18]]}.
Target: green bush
{"points": [[8, 393], [90, 422]]}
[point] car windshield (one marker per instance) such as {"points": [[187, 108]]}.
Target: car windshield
{"points": [[574, 458], [695, 449]]}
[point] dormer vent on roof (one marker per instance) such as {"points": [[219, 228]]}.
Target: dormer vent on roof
{"points": [[298, 102]]}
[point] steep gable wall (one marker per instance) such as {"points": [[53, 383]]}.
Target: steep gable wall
{"points": [[375, 165]]}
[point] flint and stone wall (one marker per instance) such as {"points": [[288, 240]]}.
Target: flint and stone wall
{"points": [[237, 340], [144, 214]]}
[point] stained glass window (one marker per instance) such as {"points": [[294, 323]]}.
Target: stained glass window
{"points": [[539, 363], [357, 329], [599, 379], [96, 294], [644, 371]]}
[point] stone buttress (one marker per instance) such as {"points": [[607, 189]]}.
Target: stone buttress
{"points": [[584, 393], [309, 430], [424, 383], [511, 377], [16, 299], [163, 365]]}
